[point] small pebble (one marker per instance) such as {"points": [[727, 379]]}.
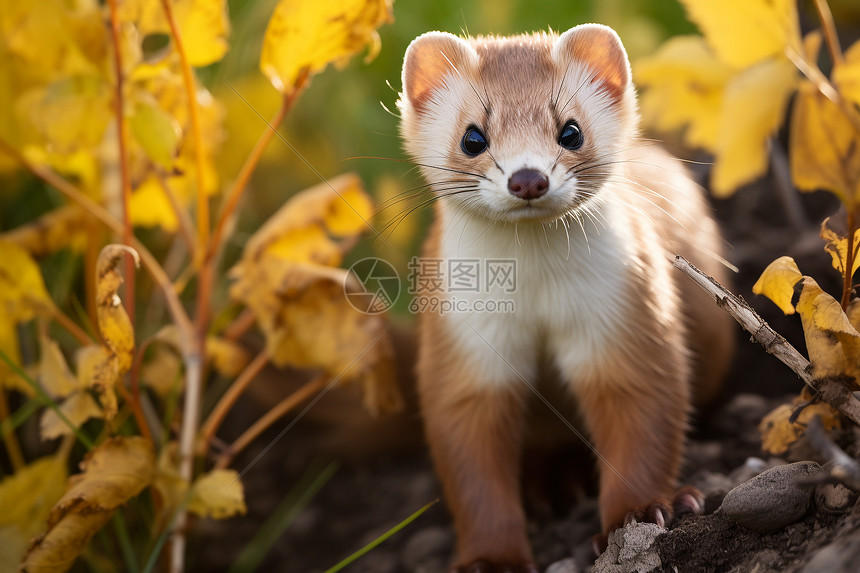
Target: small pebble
{"points": [[564, 566], [833, 499], [772, 499], [631, 550]]}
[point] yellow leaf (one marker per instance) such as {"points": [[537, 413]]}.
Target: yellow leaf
{"points": [[78, 408], [156, 131], [56, 551], [150, 206], [218, 495], [853, 313], [744, 32], [825, 153], [846, 75], [299, 230], [309, 323], [227, 357], [831, 340], [304, 37], [203, 24], [88, 360], [22, 291], [162, 371], [64, 227], [834, 231], [685, 84], [113, 473], [27, 497], [777, 283], [753, 107], [114, 324], [168, 482], [70, 114], [54, 373], [778, 433]]}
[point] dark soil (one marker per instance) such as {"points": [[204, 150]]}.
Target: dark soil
{"points": [[385, 474]]}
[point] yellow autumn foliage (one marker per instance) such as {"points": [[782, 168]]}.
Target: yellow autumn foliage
{"points": [[112, 473], [304, 37]]}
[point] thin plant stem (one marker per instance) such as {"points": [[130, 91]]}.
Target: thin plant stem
{"points": [[280, 410], [186, 227], [70, 326], [122, 134], [829, 27], [187, 434], [823, 85], [213, 422], [196, 130], [249, 166], [240, 325], [207, 271], [134, 386], [10, 438]]}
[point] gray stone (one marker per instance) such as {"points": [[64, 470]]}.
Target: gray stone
{"points": [[631, 550], [772, 499], [564, 566], [833, 499]]}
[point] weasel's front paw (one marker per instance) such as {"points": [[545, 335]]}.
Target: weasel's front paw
{"points": [[660, 511], [482, 566], [686, 500]]}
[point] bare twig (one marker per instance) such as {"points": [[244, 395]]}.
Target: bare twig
{"points": [[826, 18], [272, 416], [196, 130], [70, 326], [122, 136], [240, 325], [832, 391], [239, 385]]}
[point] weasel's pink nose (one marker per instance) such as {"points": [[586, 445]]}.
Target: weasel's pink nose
{"points": [[528, 184]]}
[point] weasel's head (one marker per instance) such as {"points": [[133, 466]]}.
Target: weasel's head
{"points": [[520, 128]]}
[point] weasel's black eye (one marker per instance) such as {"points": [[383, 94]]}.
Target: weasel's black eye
{"points": [[474, 143], [570, 136]]}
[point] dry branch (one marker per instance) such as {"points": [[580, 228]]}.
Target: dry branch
{"points": [[832, 391]]}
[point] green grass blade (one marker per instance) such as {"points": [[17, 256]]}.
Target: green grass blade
{"points": [[125, 543], [381, 538], [283, 516], [18, 417], [47, 400]]}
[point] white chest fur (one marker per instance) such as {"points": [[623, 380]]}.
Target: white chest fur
{"points": [[568, 299]]}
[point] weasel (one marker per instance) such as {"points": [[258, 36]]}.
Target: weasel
{"points": [[530, 144]]}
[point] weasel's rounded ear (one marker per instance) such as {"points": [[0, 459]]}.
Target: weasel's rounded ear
{"points": [[429, 59], [599, 48]]}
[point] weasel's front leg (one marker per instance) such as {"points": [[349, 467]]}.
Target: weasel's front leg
{"points": [[475, 432], [636, 422]]}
